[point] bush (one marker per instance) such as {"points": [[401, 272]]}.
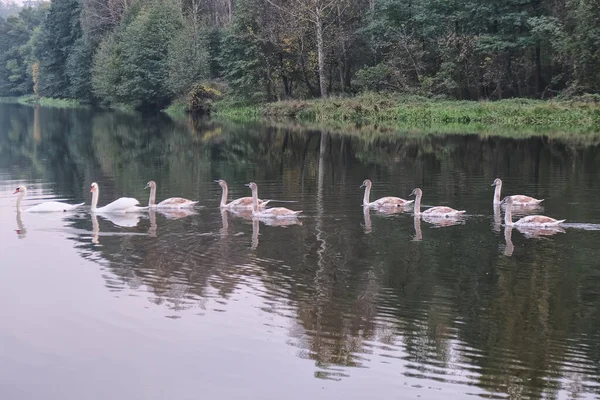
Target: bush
{"points": [[372, 78], [202, 97]]}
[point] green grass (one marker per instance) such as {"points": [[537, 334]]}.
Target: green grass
{"points": [[43, 101], [422, 112], [177, 109]]}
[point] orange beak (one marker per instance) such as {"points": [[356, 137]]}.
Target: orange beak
{"points": [[91, 190], [16, 191]]}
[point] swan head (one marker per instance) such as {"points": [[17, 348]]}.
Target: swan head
{"points": [[20, 189], [93, 187], [366, 183], [221, 182], [416, 192], [150, 184], [497, 182], [251, 185]]}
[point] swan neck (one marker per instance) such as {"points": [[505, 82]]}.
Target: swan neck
{"points": [[508, 215], [224, 196], [95, 195], [255, 201], [19, 201], [152, 199], [418, 203], [497, 193], [367, 195]]}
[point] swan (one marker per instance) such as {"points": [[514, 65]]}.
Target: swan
{"points": [[440, 211], [384, 202], [48, 206], [241, 203], [276, 212], [173, 202], [531, 221], [518, 200], [122, 205]]}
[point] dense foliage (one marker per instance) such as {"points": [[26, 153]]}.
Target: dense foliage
{"points": [[147, 53]]}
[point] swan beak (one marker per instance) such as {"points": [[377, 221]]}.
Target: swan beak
{"points": [[146, 187], [362, 186], [493, 184], [91, 190], [247, 184], [16, 191], [217, 181]]}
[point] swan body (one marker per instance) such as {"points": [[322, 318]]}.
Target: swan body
{"points": [[241, 203], [531, 221], [121, 205], [433, 212], [172, 202], [518, 199], [48, 206], [276, 212], [384, 202]]}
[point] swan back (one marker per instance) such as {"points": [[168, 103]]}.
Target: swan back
{"points": [[120, 205]]}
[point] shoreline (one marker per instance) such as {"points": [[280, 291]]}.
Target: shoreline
{"points": [[413, 110], [396, 115]]}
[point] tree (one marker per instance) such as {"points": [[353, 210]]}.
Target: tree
{"points": [[15, 51], [131, 66], [60, 31], [188, 58]]}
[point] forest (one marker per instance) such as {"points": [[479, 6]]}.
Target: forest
{"points": [[148, 53]]}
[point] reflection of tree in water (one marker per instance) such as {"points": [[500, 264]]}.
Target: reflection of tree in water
{"points": [[449, 298]]}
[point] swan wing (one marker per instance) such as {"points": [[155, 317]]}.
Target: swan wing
{"points": [[279, 212], [242, 202], [524, 200], [53, 206], [176, 202], [390, 202], [442, 211], [120, 205], [246, 202], [538, 220]]}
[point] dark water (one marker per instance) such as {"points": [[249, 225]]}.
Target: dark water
{"points": [[345, 305]]}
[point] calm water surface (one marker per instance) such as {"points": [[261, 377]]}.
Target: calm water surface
{"points": [[346, 305]]}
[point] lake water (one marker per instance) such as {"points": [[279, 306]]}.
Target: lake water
{"points": [[347, 305]]}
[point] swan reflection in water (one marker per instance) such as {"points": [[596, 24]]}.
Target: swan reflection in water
{"points": [[418, 234], [270, 222], [536, 233], [128, 220], [177, 213], [444, 221], [437, 222], [509, 247], [367, 217], [21, 229], [529, 233]]}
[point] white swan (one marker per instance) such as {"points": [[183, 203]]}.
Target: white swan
{"points": [[241, 203], [173, 202], [122, 205], [440, 211], [48, 206], [518, 199], [384, 202], [276, 212], [531, 221]]}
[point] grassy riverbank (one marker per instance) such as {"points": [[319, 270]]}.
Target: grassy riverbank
{"points": [[376, 109], [43, 101]]}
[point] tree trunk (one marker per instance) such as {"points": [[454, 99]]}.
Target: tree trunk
{"points": [[321, 52], [538, 70]]}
